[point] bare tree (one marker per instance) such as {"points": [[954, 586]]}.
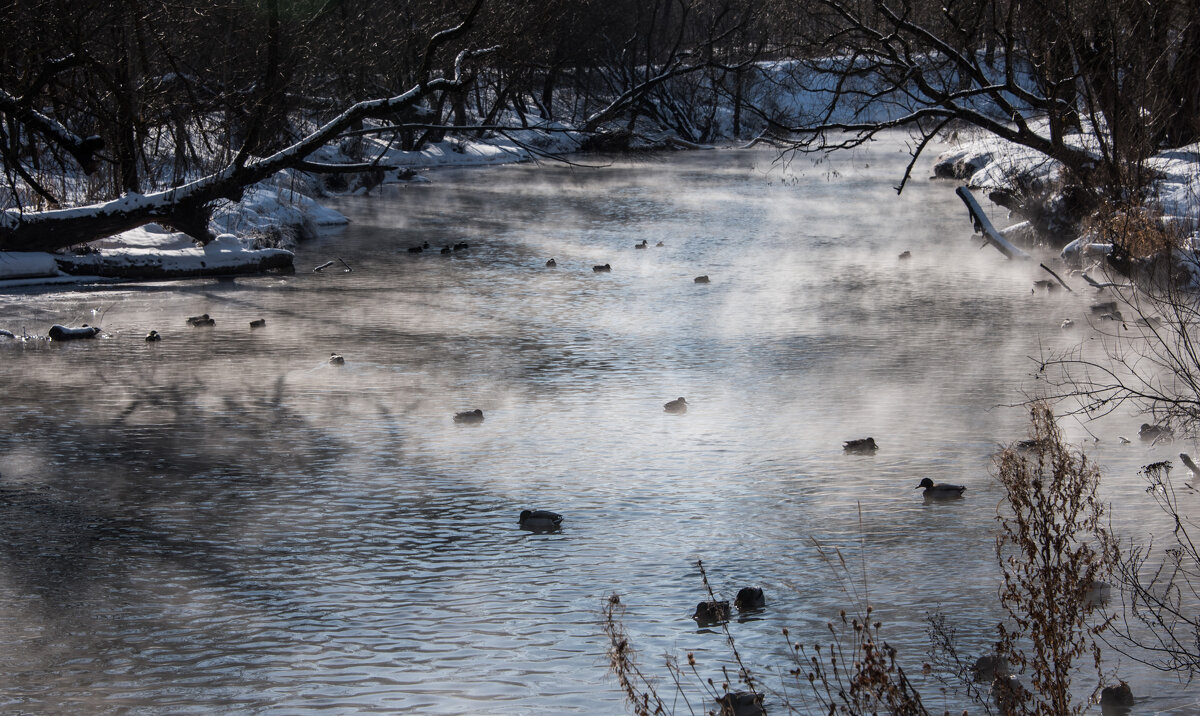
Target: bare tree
{"points": [[1004, 66]]}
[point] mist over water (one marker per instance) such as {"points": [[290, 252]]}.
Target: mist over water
{"points": [[225, 522]]}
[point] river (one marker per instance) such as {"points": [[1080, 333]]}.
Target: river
{"points": [[225, 522]]}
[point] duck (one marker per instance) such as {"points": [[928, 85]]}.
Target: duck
{"points": [[860, 446], [258, 323], [904, 255], [701, 279], [201, 320], [1067, 323], [447, 250], [540, 520], [602, 269], [749, 598], [660, 245], [551, 263], [641, 245], [679, 405], [1117, 697], [740, 703], [462, 246], [469, 417], [153, 337], [712, 612], [415, 249], [940, 490], [1153, 433], [335, 359]]}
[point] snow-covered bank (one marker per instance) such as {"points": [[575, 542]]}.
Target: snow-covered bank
{"points": [[988, 163]]}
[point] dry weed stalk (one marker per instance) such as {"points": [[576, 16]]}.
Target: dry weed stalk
{"points": [[1053, 548]]}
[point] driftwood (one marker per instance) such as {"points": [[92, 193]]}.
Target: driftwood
{"points": [[984, 225], [62, 333]]}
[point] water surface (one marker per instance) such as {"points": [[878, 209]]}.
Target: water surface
{"points": [[225, 522]]}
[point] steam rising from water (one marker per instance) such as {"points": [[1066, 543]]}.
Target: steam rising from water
{"points": [[224, 520]]}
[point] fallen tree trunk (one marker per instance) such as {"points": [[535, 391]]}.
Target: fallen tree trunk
{"points": [[188, 208], [984, 225]]}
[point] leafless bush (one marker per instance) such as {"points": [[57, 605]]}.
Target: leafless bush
{"points": [[1053, 548]]}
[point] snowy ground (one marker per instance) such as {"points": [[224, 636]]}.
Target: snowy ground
{"points": [[279, 206], [274, 208]]}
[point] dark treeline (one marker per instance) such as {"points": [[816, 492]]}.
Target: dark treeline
{"points": [[100, 99]]}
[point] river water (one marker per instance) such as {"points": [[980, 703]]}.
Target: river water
{"points": [[225, 522]]}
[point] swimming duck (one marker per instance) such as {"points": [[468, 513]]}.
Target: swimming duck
{"points": [[861, 446], [641, 245], [740, 703], [1116, 697], [551, 263], [679, 405], [1153, 433], [258, 323], [701, 279], [709, 613], [201, 320], [602, 269], [335, 359], [660, 244], [462, 246], [415, 249], [447, 250], [905, 255], [749, 598], [540, 520], [469, 417], [153, 336], [940, 490]]}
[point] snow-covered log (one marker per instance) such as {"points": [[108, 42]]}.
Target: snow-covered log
{"points": [[984, 226], [224, 256], [63, 333]]}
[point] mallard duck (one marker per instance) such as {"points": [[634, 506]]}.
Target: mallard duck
{"points": [[153, 337], [749, 598], [860, 446], [469, 416], [641, 245], [701, 279], [335, 359], [551, 263], [714, 612], [540, 520], [258, 323], [679, 405], [940, 490], [602, 269], [1119, 696], [1153, 433], [740, 703]]}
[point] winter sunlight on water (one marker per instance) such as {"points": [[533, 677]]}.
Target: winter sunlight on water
{"points": [[224, 521]]}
